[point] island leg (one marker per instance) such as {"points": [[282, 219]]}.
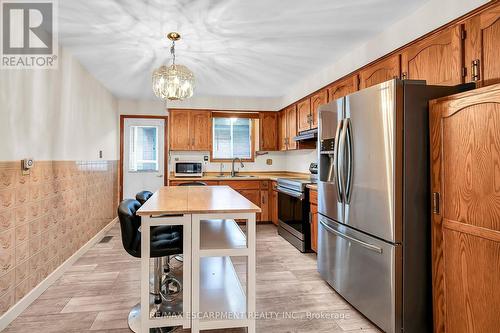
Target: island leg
{"points": [[251, 271]]}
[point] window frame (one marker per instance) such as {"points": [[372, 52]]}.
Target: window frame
{"points": [[252, 135], [156, 161]]}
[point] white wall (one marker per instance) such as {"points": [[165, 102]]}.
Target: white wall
{"points": [[157, 107], [62, 114]]}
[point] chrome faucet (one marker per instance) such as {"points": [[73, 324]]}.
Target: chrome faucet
{"points": [[233, 173]]}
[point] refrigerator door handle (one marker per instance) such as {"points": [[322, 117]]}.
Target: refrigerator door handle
{"points": [[336, 173], [341, 152], [349, 167], [351, 239]]}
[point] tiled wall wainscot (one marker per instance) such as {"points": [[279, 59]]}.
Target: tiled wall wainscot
{"points": [[46, 216]]}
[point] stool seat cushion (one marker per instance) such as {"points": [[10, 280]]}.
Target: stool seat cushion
{"points": [[165, 240], [143, 196]]}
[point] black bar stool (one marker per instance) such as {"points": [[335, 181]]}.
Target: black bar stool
{"points": [[165, 242], [143, 196], [170, 285]]}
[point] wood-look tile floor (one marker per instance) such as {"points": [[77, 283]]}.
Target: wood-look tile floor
{"points": [[98, 291]]}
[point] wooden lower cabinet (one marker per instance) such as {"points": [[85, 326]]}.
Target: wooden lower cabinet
{"points": [[254, 196], [273, 204], [257, 191], [313, 200], [465, 227]]}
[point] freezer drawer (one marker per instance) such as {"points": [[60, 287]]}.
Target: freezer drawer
{"points": [[364, 270]]}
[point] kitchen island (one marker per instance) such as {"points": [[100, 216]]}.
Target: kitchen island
{"points": [[212, 294]]}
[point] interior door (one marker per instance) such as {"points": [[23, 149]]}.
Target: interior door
{"points": [[465, 151], [143, 155], [369, 146]]}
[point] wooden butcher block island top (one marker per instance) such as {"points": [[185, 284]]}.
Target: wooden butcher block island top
{"points": [[197, 200]]}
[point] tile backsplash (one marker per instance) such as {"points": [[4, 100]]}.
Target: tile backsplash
{"points": [[294, 161], [46, 216]]}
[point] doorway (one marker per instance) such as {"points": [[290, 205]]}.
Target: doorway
{"points": [[143, 154]]}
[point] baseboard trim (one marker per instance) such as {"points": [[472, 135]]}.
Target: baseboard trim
{"points": [[30, 297]]}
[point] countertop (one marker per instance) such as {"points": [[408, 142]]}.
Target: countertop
{"points": [[197, 200], [255, 176]]}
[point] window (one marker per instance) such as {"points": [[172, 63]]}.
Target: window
{"points": [[232, 137], [143, 155]]}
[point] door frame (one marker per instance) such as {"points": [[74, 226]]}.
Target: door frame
{"points": [[165, 154]]}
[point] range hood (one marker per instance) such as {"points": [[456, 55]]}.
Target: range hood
{"points": [[309, 135]]}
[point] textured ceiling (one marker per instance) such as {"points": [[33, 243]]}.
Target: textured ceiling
{"points": [[247, 48]]}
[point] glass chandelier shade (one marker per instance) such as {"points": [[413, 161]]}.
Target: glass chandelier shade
{"points": [[174, 82]]}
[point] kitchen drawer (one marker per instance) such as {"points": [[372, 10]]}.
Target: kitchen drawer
{"points": [[242, 184], [363, 269]]}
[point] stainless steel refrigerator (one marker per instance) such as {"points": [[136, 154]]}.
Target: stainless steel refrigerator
{"points": [[374, 202]]}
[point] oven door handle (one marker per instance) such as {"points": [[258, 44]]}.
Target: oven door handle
{"points": [[291, 193]]}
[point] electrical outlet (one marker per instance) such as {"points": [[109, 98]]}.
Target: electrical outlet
{"points": [[269, 161], [100, 153], [26, 165]]}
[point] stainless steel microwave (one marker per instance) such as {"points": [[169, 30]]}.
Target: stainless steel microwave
{"points": [[188, 169]]}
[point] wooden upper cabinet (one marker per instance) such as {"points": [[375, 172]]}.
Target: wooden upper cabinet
{"points": [[343, 87], [291, 124], [318, 99], [465, 229], [381, 71], [179, 130], [268, 131], [304, 115], [283, 130], [190, 130], [200, 128], [482, 47], [436, 59]]}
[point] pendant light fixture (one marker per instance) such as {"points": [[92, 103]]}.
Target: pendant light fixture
{"points": [[174, 82]]}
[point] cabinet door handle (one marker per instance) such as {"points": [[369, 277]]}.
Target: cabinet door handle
{"points": [[475, 70]]}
